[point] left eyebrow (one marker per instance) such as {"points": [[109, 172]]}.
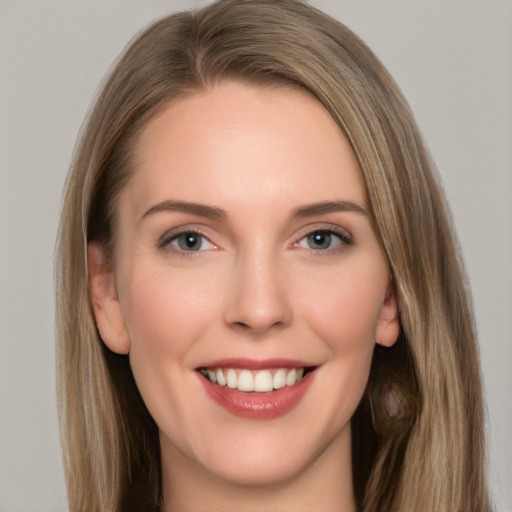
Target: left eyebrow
{"points": [[201, 210], [329, 207]]}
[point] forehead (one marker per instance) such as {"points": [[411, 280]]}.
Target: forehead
{"points": [[241, 144]]}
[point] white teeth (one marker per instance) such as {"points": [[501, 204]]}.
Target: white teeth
{"points": [[221, 380], [260, 381], [232, 379], [245, 381], [291, 378], [263, 381], [280, 379]]}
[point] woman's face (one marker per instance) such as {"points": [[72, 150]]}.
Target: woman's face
{"points": [[245, 254]]}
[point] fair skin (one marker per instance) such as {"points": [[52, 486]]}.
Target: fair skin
{"points": [[274, 267]]}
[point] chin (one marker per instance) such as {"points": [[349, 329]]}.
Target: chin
{"points": [[269, 456], [260, 471]]}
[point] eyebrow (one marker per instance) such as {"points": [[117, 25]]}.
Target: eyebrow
{"points": [[325, 207], [201, 210], [214, 212]]}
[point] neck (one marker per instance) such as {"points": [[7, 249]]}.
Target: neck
{"points": [[323, 485]]}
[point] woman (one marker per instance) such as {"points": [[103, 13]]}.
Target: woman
{"points": [[259, 291]]}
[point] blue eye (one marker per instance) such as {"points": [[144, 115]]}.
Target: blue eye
{"points": [[190, 241], [323, 239]]}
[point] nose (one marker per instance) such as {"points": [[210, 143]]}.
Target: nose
{"points": [[258, 298]]}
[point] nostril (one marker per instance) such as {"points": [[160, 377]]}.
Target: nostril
{"points": [[257, 327]]}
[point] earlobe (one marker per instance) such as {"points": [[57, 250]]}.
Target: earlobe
{"points": [[105, 303], [388, 327]]}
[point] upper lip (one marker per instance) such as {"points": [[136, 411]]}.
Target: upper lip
{"points": [[256, 364]]}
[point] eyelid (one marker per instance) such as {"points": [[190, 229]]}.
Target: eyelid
{"points": [[165, 240], [339, 231]]}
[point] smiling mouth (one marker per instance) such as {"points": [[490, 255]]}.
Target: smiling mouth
{"points": [[255, 381]]}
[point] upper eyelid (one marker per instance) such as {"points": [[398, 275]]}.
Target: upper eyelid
{"points": [[324, 226], [172, 233], [338, 230], [344, 239]]}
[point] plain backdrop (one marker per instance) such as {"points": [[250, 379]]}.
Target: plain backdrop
{"points": [[451, 58]]}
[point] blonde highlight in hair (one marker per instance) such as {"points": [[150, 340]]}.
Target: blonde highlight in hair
{"points": [[417, 434]]}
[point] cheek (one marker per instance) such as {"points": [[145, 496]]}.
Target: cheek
{"points": [[343, 313], [344, 310], [165, 309]]}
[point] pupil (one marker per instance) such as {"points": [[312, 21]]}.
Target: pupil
{"points": [[319, 240], [190, 242]]}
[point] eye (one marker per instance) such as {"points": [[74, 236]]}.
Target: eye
{"points": [[187, 241], [322, 239]]}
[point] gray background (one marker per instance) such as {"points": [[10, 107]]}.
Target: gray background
{"points": [[452, 60]]}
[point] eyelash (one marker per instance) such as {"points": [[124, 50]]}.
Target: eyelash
{"points": [[168, 238], [342, 237]]}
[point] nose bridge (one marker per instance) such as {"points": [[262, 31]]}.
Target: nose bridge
{"points": [[259, 296]]}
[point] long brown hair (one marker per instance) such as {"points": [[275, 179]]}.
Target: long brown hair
{"points": [[418, 433]]}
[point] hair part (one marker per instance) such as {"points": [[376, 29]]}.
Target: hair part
{"points": [[417, 434]]}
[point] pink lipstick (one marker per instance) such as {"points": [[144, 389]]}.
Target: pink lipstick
{"points": [[256, 389]]}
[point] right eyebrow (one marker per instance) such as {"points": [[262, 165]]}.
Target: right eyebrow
{"points": [[201, 210], [325, 207]]}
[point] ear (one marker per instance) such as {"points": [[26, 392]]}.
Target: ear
{"points": [[388, 326], [105, 303]]}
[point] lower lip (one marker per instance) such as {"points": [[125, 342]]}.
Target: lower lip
{"points": [[258, 406]]}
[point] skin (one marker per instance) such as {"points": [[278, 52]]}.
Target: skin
{"points": [[257, 288]]}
